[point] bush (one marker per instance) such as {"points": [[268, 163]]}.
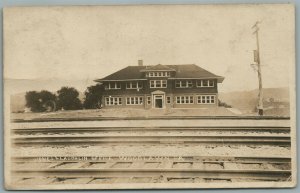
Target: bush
{"points": [[93, 96], [223, 104], [68, 99]]}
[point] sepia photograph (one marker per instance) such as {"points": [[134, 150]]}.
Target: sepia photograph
{"points": [[149, 97]]}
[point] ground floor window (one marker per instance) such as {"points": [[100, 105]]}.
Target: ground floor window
{"points": [[134, 100], [206, 99], [148, 100], [113, 101], [184, 99], [168, 100]]}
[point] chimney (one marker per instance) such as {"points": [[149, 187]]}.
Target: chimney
{"points": [[140, 62]]}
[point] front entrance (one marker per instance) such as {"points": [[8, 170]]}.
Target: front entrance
{"points": [[158, 100]]}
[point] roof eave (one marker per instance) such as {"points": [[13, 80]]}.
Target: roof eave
{"points": [[106, 80], [220, 79]]}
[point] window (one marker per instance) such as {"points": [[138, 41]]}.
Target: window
{"points": [[168, 100], [109, 101], [164, 84], [183, 84], [184, 99], [113, 85], [134, 100], [158, 83], [205, 83], [206, 99], [133, 85], [149, 100], [159, 74]]}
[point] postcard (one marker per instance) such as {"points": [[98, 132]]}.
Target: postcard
{"points": [[150, 97]]}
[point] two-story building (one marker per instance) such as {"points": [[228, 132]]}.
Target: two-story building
{"points": [[161, 86]]}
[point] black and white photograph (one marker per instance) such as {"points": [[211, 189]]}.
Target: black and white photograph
{"points": [[149, 97]]}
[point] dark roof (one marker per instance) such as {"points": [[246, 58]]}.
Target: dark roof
{"points": [[158, 67], [182, 71]]}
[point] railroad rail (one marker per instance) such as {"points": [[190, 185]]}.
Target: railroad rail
{"points": [[48, 119], [155, 129], [257, 140]]}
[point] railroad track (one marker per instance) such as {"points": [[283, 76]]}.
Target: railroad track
{"points": [[233, 132], [89, 170], [260, 135]]}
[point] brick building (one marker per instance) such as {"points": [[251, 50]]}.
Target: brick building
{"points": [[161, 86]]}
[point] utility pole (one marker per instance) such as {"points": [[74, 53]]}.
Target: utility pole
{"points": [[258, 69]]}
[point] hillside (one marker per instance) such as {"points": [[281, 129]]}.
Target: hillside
{"points": [[246, 101]]}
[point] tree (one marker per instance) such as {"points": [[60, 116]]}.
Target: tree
{"points": [[93, 96], [68, 99], [33, 101], [40, 101], [49, 100]]}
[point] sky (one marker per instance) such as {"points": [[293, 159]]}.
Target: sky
{"points": [[84, 43]]}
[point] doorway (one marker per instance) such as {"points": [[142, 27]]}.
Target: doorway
{"points": [[158, 101]]}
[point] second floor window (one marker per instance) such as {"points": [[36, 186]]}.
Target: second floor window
{"points": [[205, 83], [158, 83], [183, 84], [113, 85], [133, 85]]}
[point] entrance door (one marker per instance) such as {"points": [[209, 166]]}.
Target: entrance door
{"points": [[158, 99]]}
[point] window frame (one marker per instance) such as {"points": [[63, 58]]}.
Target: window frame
{"points": [[199, 83], [129, 85], [186, 83], [109, 87], [110, 101], [159, 74], [134, 100], [162, 83], [168, 99], [206, 99], [148, 100], [185, 99]]}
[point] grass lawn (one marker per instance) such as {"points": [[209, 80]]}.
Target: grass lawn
{"points": [[122, 113], [221, 111]]}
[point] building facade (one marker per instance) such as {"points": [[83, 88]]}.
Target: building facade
{"points": [[161, 86]]}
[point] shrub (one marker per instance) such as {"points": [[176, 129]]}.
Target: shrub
{"points": [[223, 104]]}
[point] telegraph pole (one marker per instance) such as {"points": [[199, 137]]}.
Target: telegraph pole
{"points": [[257, 60]]}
